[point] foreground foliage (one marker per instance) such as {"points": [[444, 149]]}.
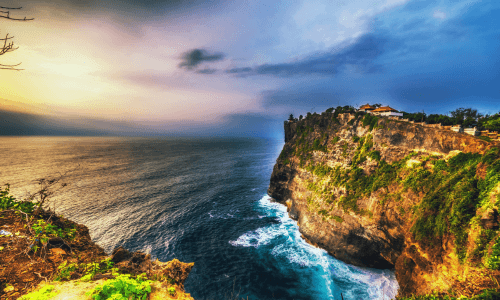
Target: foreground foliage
{"points": [[44, 293], [123, 287], [486, 295]]}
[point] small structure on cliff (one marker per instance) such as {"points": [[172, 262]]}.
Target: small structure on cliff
{"points": [[367, 108], [457, 128], [386, 111], [472, 131]]}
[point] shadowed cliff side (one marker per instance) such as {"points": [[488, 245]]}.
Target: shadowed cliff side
{"points": [[381, 193]]}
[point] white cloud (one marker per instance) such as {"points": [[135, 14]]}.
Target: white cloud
{"points": [[439, 15], [318, 25]]}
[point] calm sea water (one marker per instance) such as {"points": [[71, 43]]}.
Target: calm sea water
{"points": [[198, 200]]}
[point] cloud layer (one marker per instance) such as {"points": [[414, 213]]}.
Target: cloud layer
{"points": [[190, 66]]}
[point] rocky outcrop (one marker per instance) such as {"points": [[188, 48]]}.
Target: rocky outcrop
{"points": [[321, 174]]}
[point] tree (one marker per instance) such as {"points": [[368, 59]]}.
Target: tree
{"points": [[8, 44], [290, 118], [467, 117], [300, 118], [491, 122]]}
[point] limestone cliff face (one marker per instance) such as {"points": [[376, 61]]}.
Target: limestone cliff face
{"points": [[349, 187]]}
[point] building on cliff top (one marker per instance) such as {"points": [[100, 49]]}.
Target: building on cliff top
{"points": [[457, 128], [366, 108], [472, 131], [386, 111]]}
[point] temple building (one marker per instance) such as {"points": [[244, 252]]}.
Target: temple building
{"points": [[367, 108], [386, 111]]}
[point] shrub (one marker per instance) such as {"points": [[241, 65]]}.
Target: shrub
{"points": [[123, 287], [493, 260], [171, 291], [88, 270], [371, 120], [338, 219], [43, 231], [44, 293], [9, 202]]}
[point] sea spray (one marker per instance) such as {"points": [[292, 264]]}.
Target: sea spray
{"points": [[331, 277]]}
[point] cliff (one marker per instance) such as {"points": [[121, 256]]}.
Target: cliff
{"points": [[55, 258], [382, 193]]}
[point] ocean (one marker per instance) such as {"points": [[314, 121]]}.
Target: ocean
{"points": [[200, 200]]}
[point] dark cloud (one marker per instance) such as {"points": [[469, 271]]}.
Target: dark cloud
{"points": [[16, 123], [193, 58], [239, 70], [154, 7], [234, 125], [206, 71], [361, 55]]}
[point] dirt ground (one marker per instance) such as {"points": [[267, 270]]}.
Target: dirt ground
{"points": [[21, 270]]}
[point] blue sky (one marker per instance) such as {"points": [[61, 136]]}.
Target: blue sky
{"points": [[239, 68]]}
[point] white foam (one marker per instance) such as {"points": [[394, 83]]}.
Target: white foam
{"points": [[257, 238], [326, 270], [214, 214]]}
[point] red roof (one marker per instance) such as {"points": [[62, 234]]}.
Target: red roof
{"points": [[367, 106], [384, 108]]}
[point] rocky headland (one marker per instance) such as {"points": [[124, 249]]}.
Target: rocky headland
{"points": [[47, 256], [381, 193]]}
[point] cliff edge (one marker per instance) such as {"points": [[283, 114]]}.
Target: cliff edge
{"points": [[377, 192], [50, 257]]}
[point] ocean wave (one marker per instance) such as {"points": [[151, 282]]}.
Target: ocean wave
{"points": [[331, 275]]}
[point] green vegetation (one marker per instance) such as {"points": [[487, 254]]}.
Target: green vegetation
{"points": [[44, 293], [171, 291], [9, 202], [352, 178], [43, 231], [123, 287], [317, 145], [338, 219], [451, 195], [88, 270], [467, 117], [484, 138], [493, 259], [485, 295], [452, 190], [370, 120]]}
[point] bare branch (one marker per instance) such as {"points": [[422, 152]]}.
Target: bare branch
{"points": [[10, 7], [8, 17], [10, 67], [9, 47]]}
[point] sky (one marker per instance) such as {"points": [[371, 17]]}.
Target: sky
{"points": [[239, 68]]}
